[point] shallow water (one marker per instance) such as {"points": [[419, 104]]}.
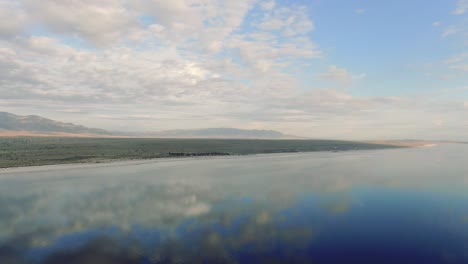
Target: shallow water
{"points": [[379, 206]]}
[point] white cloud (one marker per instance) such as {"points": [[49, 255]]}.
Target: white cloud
{"points": [[101, 21], [205, 23], [457, 58], [268, 5], [290, 21], [109, 22], [458, 62], [191, 63], [359, 10], [14, 19], [436, 24], [461, 8], [266, 54], [461, 67], [340, 75], [450, 31]]}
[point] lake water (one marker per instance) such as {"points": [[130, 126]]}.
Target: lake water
{"points": [[378, 206]]}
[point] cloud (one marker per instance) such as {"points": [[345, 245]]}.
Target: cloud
{"points": [[340, 75], [436, 24], [148, 88], [458, 62], [461, 8], [101, 22], [461, 67], [457, 58], [181, 64], [290, 21], [268, 5], [204, 24], [14, 19], [359, 10], [450, 31], [264, 54], [110, 22]]}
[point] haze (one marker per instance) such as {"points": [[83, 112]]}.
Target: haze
{"points": [[320, 69]]}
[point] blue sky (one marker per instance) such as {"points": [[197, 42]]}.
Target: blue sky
{"points": [[392, 42], [395, 43], [334, 69]]}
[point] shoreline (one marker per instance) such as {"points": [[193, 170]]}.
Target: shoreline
{"points": [[29, 152], [407, 143], [137, 161], [49, 158]]}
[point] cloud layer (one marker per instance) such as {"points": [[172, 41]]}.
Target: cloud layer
{"points": [[195, 63]]}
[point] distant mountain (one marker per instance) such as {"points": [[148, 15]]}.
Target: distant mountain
{"points": [[220, 133], [33, 125], [38, 125]]}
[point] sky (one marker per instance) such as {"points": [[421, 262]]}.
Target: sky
{"points": [[354, 69]]}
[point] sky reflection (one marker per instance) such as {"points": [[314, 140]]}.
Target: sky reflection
{"points": [[368, 206]]}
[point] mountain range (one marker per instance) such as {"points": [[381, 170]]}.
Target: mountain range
{"points": [[33, 125]]}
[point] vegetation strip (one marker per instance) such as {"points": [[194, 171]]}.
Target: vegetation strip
{"points": [[34, 151]]}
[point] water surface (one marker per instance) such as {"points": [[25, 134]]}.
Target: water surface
{"points": [[376, 206]]}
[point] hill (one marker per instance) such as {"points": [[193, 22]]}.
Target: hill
{"points": [[33, 125], [11, 124]]}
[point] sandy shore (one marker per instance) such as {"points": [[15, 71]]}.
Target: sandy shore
{"points": [[132, 162], [407, 143]]}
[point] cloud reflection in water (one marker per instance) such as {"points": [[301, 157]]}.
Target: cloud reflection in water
{"points": [[290, 208]]}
